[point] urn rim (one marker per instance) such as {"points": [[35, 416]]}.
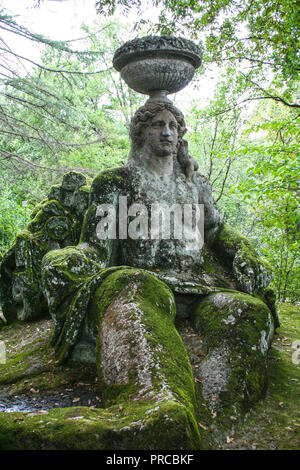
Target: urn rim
{"points": [[168, 47]]}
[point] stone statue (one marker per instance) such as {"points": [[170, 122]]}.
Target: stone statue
{"points": [[55, 223], [114, 297]]}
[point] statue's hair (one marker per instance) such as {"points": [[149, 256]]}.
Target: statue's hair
{"points": [[145, 113]]}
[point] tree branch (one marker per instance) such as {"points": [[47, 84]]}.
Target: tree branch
{"points": [[10, 155], [76, 72], [270, 96]]}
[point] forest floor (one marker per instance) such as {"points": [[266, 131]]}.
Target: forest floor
{"points": [[31, 382]]}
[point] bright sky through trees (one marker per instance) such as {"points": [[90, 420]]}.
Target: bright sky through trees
{"points": [[62, 20]]}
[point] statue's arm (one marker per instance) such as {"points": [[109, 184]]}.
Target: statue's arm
{"points": [[252, 273], [66, 272]]}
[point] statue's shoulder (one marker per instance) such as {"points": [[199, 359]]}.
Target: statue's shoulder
{"points": [[110, 180]]}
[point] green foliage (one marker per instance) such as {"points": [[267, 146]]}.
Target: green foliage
{"points": [[14, 216], [213, 136], [69, 108], [263, 32], [251, 157], [272, 189], [70, 112]]}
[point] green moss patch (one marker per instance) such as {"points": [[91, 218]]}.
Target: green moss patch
{"points": [[126, 425], [237, 329], [274, 422], [55, 223]]}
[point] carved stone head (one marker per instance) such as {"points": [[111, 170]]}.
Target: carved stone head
{"points": [[144, 116]]}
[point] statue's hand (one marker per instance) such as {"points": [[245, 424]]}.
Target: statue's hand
{"points": [[251, 272]]}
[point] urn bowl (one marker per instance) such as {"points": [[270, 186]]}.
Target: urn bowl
{"points": [[157, 64]]}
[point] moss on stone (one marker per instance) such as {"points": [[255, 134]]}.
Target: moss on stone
{"points": [[237, 331], [273, 422], [229, 241], [151, 288], [41, 214], [128, 424], [217, 320], [171, 378], [20, 289], [208, 267], [27, 363], [53, 225], [252, 273], [107, 180], [135, 428], [106, 185]]}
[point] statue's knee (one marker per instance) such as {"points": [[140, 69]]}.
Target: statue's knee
{"points": [[234, 304], [136, 286], [229, 315]]}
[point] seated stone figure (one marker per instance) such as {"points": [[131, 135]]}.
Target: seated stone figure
{"points": [[114, 297]]}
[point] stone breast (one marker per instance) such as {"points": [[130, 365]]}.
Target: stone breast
{"points": [[161, 221]]}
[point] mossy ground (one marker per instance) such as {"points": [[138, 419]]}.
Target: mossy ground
{"points": [[274, 423], [31, 363]]}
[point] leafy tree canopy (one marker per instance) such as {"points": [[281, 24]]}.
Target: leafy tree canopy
{"points": [[258, 32]]}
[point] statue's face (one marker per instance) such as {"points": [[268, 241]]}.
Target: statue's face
{"points": [[161, 135]]}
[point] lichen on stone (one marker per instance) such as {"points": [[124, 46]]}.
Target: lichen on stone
{"points": [[237, 330], [55, 223]]}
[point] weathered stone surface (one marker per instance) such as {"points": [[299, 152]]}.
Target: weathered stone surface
{"points": [[140, 356], [154, 46], [93, 312], [56, 222], [237, 330], [113, 297], [167, 427], [80, 425], [72, 181]]}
